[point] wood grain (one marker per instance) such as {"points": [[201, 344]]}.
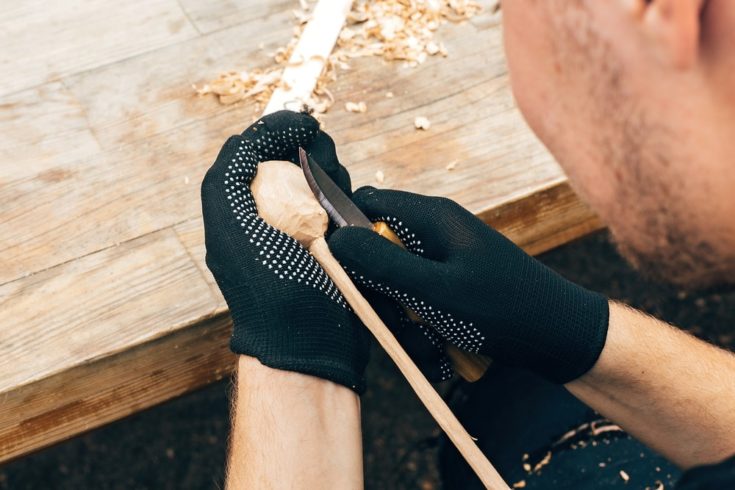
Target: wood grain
{"points": [[94, 353], [42, 128], [103, 146], [107, 388], [89, 311], [219, 14], [43, 41], [544, 219], [191, 236], [158, 139], [151, 94]]}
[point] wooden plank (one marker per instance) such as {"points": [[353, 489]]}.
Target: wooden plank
{"points": [[42, 128], [215, 15], [101, 303], [191, 235], [147, 95], [160, 139], [543, 220], [119, 330], [106, 389], [102, 243], [506, 165], [43, 41], [106, 199]]}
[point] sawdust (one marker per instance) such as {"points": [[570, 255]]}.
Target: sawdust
{"points": [[421, 123], [624, 476], [546, 459], [395, 30], [358, 107]]}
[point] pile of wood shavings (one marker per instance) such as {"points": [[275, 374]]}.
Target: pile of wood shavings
{"points": [[399, 29], [392, 29]]}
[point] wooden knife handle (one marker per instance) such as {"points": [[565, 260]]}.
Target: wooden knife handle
{"points": [[468, 365]]}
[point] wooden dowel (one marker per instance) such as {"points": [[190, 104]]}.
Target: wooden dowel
{"points": [[310, 55]]}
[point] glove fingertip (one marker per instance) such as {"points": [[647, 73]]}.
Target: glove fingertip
{"points": [[278, 135], [356, 248]]}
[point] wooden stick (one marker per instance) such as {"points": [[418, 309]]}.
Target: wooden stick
{"points": [[426, 393], [310, 55]]}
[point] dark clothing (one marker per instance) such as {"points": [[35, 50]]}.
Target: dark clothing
{"points": [[537, 433], [716, 476]]}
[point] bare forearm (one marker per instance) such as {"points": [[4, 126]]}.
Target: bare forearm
{"points": [[291, 430], [665, 387]]}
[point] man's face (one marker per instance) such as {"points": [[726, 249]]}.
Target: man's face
{"points": [[641, 115]]}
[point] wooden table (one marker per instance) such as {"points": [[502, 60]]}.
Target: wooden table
{"points": [[106, 306]]}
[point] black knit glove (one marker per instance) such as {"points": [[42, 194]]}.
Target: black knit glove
{"points": [[286, 311], [476, 288]]}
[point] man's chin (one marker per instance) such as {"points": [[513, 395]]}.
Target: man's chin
{"points": [[689, 269]]}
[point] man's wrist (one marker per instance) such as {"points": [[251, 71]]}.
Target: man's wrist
{"points": [[618, 345], [293, 430]]}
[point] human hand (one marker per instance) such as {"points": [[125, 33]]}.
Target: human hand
{"points": [[285, 309], [473, 286]]}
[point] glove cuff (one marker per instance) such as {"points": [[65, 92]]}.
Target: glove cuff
{"points": [[282, 337], [585, 328]]}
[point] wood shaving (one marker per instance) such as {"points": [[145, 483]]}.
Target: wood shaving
{"points": [[520, 484], [452, 165], [379, 177], [543, 462], [359, 107], [400, 29], [624, 476], [389, 95], [395, 30], [421, 123], [605, 426]]}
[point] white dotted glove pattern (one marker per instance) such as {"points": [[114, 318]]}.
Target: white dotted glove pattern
{"points": [[441, 325], [277, 251]]}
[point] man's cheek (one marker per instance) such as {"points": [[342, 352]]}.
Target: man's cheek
{"points": [[530, 66]]}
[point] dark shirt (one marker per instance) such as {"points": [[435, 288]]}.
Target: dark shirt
{"points": [[717, 476], [527, 436]]}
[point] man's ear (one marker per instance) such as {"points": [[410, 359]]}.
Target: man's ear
{"points": [[672, 28]]}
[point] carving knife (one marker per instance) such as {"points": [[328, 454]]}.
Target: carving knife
{"points": [[344, 212]]}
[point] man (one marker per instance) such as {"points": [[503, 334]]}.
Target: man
{"points": [[636, 100]]}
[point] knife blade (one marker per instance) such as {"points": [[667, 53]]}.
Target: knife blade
{"points": [[343, 212], [335, 202]]}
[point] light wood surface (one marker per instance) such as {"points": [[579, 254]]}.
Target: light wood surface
{"points": [[106, 306]]}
